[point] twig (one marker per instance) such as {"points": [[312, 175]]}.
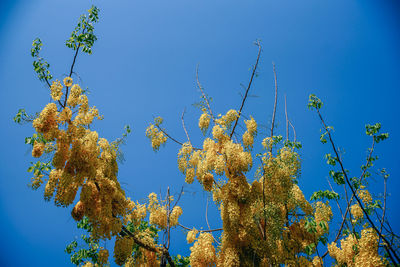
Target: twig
{"points": [[168, 218], [384, 206], [72, 69], [287, 121], [173, 139], [294, 131], [179, 197], [202, 92], [184, 128], [209, 228], [206, 231], [248, 88], [275, 102]]}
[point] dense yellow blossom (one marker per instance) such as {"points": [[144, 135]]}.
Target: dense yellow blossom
{"points": [[204, 122], [156, 136], [356, 212], [102, 257], [56, 90], [81, 162], [365, 196], [361, 252], [203, 252], [191, 235], [122, 249], [38, 149], [74, 94], [46, 123], [68, 81], [323, 214], [175, 214], [228, 118]]}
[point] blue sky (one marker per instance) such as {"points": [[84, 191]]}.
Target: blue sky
{"points": [[143, 65]]}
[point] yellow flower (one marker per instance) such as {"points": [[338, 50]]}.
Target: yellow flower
{"points": [[38, 149], [56, 90], [68, 81]]}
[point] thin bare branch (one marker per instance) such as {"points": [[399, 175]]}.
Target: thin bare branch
{"points": [[275, 102], [209, 228], [203, 94], [71, 70], [205, 231], [248, 88], [173, 139], [294, 131], [287, 121], [184, 127]]}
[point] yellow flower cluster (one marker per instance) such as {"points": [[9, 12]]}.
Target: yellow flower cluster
{"points": [[156, 136], [248, 136], [228, 118], [38, 149], [81, 161], [137, 212], [362, 252], [56, 90], [74, 94], [175, 214], [67, 81], [323, 214], [204, 122], [191, 235], [122, 249], [159, 213], [102, 256], [143, 258], [203, 252], [365, 196], [356, 212], [254, 215], [46, 123], [298, 199]]}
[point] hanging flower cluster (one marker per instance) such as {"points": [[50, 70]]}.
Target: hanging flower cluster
{"points": [[358, 252], [81, 160]]}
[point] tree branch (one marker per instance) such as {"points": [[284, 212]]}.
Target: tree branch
{"points": [[248, 88]]}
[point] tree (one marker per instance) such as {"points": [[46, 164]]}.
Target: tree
{"points": [[266, 220]]}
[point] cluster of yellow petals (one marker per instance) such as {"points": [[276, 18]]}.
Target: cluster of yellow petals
{"points": [[123, 249], [204, 122], [323, 214], [358, 252], [38, 149], [144, 258], [136, 212], [191, 235], [67, 81], [56, 90], [156, 136], [245, 207], [203, 252], [365, 196], [248, 136], [81, 161], [102, 256], [356, 212], [159, 214], [228, 118], [74, 94]]}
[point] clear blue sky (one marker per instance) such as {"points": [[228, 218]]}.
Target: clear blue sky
{"points": [[346, 52]]}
